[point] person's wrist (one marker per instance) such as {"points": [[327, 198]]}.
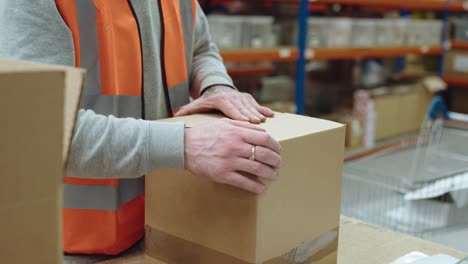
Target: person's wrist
{"points": [[219, 88]]}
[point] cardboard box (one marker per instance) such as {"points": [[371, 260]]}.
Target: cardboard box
{"points": [[401, 110], [193, 220], [38, 104], [354, 132], [396, 113], [354, 128], [456, 64]]}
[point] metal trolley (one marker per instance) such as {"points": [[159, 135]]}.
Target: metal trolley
{"points": [[418, 184]]}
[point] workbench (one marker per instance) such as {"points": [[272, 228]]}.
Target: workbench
{"points": [[359, 243]]}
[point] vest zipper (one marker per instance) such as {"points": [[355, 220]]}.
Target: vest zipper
{"points": [[143, 114], [162, 60]]}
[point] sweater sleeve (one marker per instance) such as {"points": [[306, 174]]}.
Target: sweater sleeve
{"points": [[102, 146], [208, 68], [109, 147]]}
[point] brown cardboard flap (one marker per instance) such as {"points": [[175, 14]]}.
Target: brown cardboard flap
{"points": [[434, 84], [172, 250]]}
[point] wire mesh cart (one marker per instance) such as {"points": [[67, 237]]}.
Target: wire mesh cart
{"points": [[418, 184]]}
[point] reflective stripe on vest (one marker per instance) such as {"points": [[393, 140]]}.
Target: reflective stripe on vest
{"points": [[102, 197], [107, 216]]}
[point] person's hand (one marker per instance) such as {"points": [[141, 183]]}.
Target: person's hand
{"points": [[236, 105], [221, 152]]}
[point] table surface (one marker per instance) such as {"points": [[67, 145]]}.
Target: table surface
{"points": [[359, 243]]}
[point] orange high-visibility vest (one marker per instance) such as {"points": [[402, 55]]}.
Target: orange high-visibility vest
{"points": [[112, 41]]}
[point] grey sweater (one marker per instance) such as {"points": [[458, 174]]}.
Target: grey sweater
{"points": [[105, 146]]}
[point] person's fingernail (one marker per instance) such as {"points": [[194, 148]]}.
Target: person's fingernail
{"points": [[254, 121]]}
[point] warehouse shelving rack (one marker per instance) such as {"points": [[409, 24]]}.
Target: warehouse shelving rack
{"points": [[302, 53], [291, 54]]}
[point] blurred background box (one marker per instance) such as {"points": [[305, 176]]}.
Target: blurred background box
{"points": [[399, 31], [456, 64], [363, 32], [226, 31], [397, 110], [386, 32], [339, 32], [461, 28], [236, 32], [424, 32], [276, 88], [354, 128], [316, 35], [258, 32]]}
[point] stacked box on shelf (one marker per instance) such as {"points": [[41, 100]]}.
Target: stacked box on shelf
{"points": [[237, 32], [383, 32], [390, 32], [338, 32], [416, 33], [323, 32], [276, 88], [399, 31], [363, 33], [461, 29], [456, 64], [258, 32], [435, 31], [226, 31], [424, 32], [316, 33]]}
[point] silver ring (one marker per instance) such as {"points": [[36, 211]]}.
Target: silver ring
{"points": [[252, 153]]}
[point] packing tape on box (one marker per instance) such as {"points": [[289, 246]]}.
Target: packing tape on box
{"points": [[173, 250]]}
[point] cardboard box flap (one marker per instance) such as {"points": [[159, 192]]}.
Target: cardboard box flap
{"points": [[195, 120], [434, 84], [12, 66], [282, 127]]}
